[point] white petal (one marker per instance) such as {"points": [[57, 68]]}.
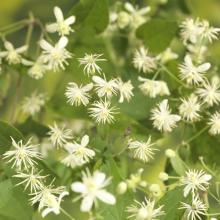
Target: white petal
{"points": [[45, 45], [8, 45], [86, 204], [87, 87], [47, 211], [129, 7], [204, 67], [65, 193], [3, 53], [99, 177], [144, 10], [27, 62], [69, 147], [22, 49], [52, 27], [142, 79], [106, 197], [62, 42], [85, 140], [98, 80], [188, 60], [78, 187], [58, 14], [70, 20]]}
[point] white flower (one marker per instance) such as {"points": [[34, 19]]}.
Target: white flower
{"points": [[143, 62], [190, 108], [79, 154], [125, 90], [90, 63], [49, 199], [209, 33], [145, 210], [31, 179], [195, 210], [162, 118], [191, 73], [23, 155], [137, 16], [59, 135], [191, 30], [38, 69], [104, 87], [12, 55], [102, 112], [195, 180], [78, 95], [214, 122], [142, 150], [153, 88], [33, 104], [92, 188], [62, 26], [210, 93], [55, 56], [167, 55]]}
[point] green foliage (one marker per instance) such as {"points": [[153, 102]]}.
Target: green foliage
{"points": [[157, 34], [6, 132]]}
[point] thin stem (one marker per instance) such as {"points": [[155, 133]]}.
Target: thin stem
{"points": [[204, 165], [156, 74], [197, 134], [66, 214], [173, 76], [30, 28], [12, 26]]}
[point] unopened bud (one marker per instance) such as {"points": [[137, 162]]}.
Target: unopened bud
{"points": [[122, 188], [163, 176], [170, 153]]}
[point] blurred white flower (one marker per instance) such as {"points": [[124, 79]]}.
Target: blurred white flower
{"points": [[145, 210], [210, 93], [23, 156], [162, 118], [143, 61], [137, 16], [102, 112], [214, 122], [155, 190], [167, 55], [49, 199], [79, 154], [195, 180], [124, 19], [33, 104], [55, 56], [191, 30], [125, 90], [190, 108], [195, 210], [92, 188], [90, 63], [191, 73], [13, 55], [153, 88], [62, 26], [78, 95], [104, 87], [142, 150], [59, 136], [31, 179], [37, 69]]}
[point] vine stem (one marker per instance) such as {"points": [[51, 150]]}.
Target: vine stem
{"points": [[197, 134], [66, 214], [173, 76]]}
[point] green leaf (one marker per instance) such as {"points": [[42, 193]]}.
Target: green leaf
{"points": [[157, 34], [171, 202], [6, 132], [92, 14], [14, 202], [31, 126]]}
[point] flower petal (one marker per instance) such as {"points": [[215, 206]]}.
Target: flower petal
{"points": [[99, 177], [78, 187], [45, 45], [106, 197], [62, 42], [204, 67], [52, 27], [86, 204], [58, 14], [70, 20], [85, 140]]}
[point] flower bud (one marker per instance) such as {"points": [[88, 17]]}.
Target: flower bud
{"points": [[163, 176], [170, 153], [123, 19], [122, 188], [155, 190]]}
